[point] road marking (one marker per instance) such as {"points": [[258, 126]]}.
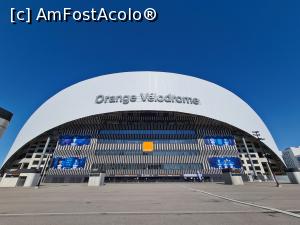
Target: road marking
{"points": [[271, 209], [133, 213]]}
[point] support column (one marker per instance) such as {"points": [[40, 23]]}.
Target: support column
{"points": [[43, 154], [251, 162], [270, 171]]}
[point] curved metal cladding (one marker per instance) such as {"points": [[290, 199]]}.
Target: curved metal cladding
{"points": [[5, 117], [92, 97]]}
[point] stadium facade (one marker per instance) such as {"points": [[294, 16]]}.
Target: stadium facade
{"points": [[142, 125]]}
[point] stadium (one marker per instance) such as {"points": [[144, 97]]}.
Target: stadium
{"points": [[143, 126]]}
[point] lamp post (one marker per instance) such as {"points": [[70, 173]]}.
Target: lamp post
{"points": [[267, 156]]}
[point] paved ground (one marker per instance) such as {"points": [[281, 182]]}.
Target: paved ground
{"points": [[150, 203]]}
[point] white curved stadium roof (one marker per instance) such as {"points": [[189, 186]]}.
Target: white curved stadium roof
{"points": [[78, 101]]}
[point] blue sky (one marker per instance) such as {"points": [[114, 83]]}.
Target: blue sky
{"points": [[249, 47]]}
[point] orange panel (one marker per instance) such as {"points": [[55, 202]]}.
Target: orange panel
{"points": [[148, 146]]}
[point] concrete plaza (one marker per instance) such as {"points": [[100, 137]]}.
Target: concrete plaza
{"points": [[151, 203]]}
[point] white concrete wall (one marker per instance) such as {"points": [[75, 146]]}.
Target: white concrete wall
{"points": [[94, 181], [9, 182], [31, 179]]}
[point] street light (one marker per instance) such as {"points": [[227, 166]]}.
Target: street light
{"points": [[266, 155]]}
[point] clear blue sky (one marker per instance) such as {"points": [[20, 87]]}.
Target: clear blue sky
{"points": [[249, 47]]}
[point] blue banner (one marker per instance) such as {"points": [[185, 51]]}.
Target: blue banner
{"points": [[74, 140], [68, 163], [219, 140], [225, 162]]}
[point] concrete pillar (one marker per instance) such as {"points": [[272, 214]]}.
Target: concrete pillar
{"points": [[251, 162], [9, 181], [43, 154], [232, 178], [31, 179], [270, 172], [96, 180], [102, 177]]}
